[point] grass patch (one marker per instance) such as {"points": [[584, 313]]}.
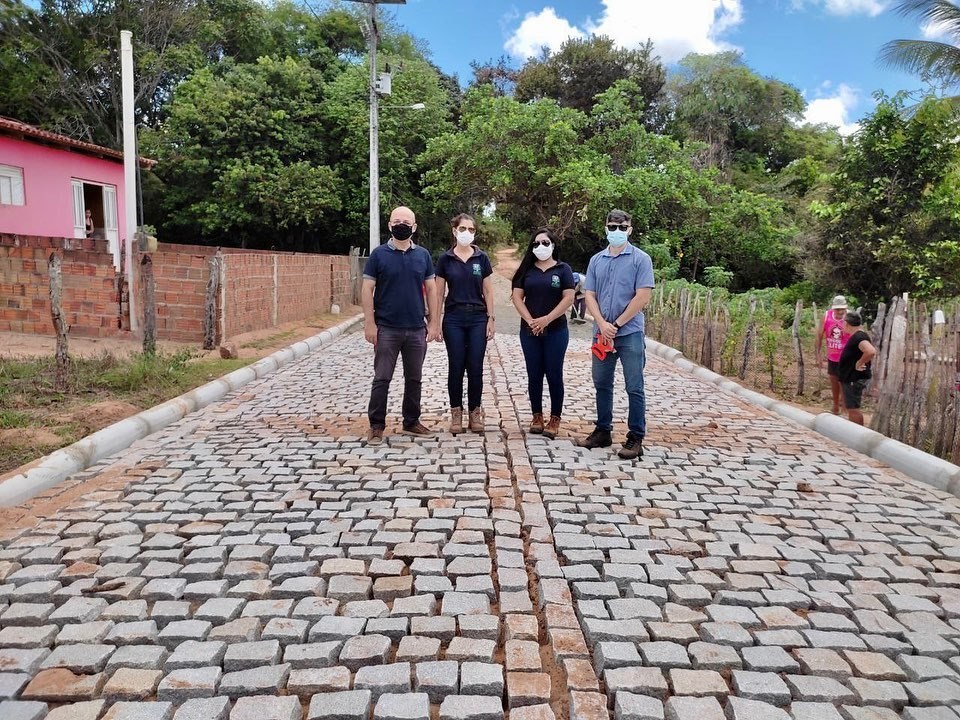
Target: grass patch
{"points": [[10, 419], [49, 419]]}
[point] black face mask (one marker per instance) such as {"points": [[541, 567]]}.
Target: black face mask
{"points": [[401, 232]]}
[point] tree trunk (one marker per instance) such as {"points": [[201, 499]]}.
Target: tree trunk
{"points": [[59, 323]]}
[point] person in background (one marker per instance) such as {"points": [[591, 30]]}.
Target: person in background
{"points": [[88, 222], [577, 312], [394, 279], [832, 328], [853, 367], [465, 277], [542, 292], [619, 285]]}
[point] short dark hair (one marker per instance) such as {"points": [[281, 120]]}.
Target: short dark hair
{"points": [[618, 216], [853, 318], [456, 220]]}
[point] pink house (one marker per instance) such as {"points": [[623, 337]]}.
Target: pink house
{"points": [[54, 186]]}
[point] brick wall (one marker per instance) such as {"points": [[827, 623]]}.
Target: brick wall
{"points": [[266, 289], [260, 289], [91, 301], [181, 273]]}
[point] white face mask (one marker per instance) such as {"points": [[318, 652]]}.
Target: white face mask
{"points": [[464, 238], [543, 252]]}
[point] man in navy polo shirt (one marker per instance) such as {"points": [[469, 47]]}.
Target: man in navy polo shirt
{"points": [[395, 279], [619, 285]]}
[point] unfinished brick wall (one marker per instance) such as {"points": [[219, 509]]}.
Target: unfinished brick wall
{"points": [[260, 289], [181, 273], [91, 300], [266, 289]]}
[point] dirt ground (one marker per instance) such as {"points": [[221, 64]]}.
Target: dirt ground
{"points": [[253, 345]]}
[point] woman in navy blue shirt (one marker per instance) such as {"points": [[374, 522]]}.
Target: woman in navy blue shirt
{"points": [[543, 291], [464, 275]]}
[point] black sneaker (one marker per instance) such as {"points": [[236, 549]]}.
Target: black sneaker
{"points": [[632, 448], [597, 439]]}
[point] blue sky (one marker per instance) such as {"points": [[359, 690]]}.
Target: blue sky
{"points": [[826, 48]]}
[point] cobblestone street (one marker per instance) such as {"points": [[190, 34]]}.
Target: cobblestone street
{"points": [[258, 561]]}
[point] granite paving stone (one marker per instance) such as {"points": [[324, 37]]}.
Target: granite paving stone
{"points": [[260, 555]]}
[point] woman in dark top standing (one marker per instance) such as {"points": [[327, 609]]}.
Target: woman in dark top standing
{"points": [[853, 368], [464, 275], [543, 290]]}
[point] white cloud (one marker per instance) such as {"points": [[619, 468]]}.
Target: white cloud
{"points": [[935, 31], [834, 109], [676, 28], [847, 7], [542, 29]]}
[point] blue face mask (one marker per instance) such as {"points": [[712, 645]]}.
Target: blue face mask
{"points": [[617, 237]]}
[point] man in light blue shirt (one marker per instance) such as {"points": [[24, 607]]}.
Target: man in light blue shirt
{"points": [[618, 286]]}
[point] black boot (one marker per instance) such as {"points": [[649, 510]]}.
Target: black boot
{"points": [[597, 439]]}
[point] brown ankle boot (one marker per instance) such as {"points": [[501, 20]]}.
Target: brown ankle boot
{"points": [[552, 427], [456, 420], [536, 425], [476, 420]]}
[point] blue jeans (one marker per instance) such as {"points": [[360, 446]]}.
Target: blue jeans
{"points": [[631, 352], [465, 335], [544, 356], [411, 345]]}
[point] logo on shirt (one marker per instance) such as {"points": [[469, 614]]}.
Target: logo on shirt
{"points": [[476, 269], [555, 281]]}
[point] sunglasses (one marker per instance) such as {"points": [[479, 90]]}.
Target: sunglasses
{"points": [[470, 230], [545, 243], [621, 226]]}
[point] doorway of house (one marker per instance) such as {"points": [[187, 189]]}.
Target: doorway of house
{"points": [[101, 201]]}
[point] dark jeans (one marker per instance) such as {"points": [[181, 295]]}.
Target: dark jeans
{"points": [[544, 355], [631, 352], [411, 345], [465, 336]]}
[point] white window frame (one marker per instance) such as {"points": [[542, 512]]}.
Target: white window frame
{"points": [[11, 185]]}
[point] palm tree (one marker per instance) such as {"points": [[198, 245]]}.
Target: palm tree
{"points": [[930, 59]]}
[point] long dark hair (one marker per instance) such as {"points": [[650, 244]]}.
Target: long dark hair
{"points": [[529, 258], [455, 221]]}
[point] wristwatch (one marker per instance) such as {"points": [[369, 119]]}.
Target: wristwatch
{"points": [[615, 324]]}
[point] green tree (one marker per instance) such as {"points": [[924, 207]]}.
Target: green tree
{"points": [[60, 63], [242, 160], [738, 115], [892, 218], [582, 68], [932, 60], [528, 158]]}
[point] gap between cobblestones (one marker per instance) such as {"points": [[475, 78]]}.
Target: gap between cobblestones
{"points": [[514, 440]]}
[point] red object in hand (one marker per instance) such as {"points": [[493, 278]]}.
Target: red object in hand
{"points": [[601, 346]]}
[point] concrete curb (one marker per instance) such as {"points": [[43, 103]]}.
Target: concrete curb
{"points": [[913, 463], [61, 464]]}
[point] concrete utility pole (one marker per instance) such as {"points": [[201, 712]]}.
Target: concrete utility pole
{"points": [[372, 35], [129, 171]]}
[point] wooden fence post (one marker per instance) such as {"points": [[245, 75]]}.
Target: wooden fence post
{"points": [[707, 352], [59, 323], [210, 304], [748, 340], [797, 345], [149, 306]]}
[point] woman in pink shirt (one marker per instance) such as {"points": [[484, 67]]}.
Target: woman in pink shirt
{"points": [[833, 330]]}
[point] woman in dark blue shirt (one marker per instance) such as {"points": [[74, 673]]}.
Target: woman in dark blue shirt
{"points": [[543, 291], [464, 276]]}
